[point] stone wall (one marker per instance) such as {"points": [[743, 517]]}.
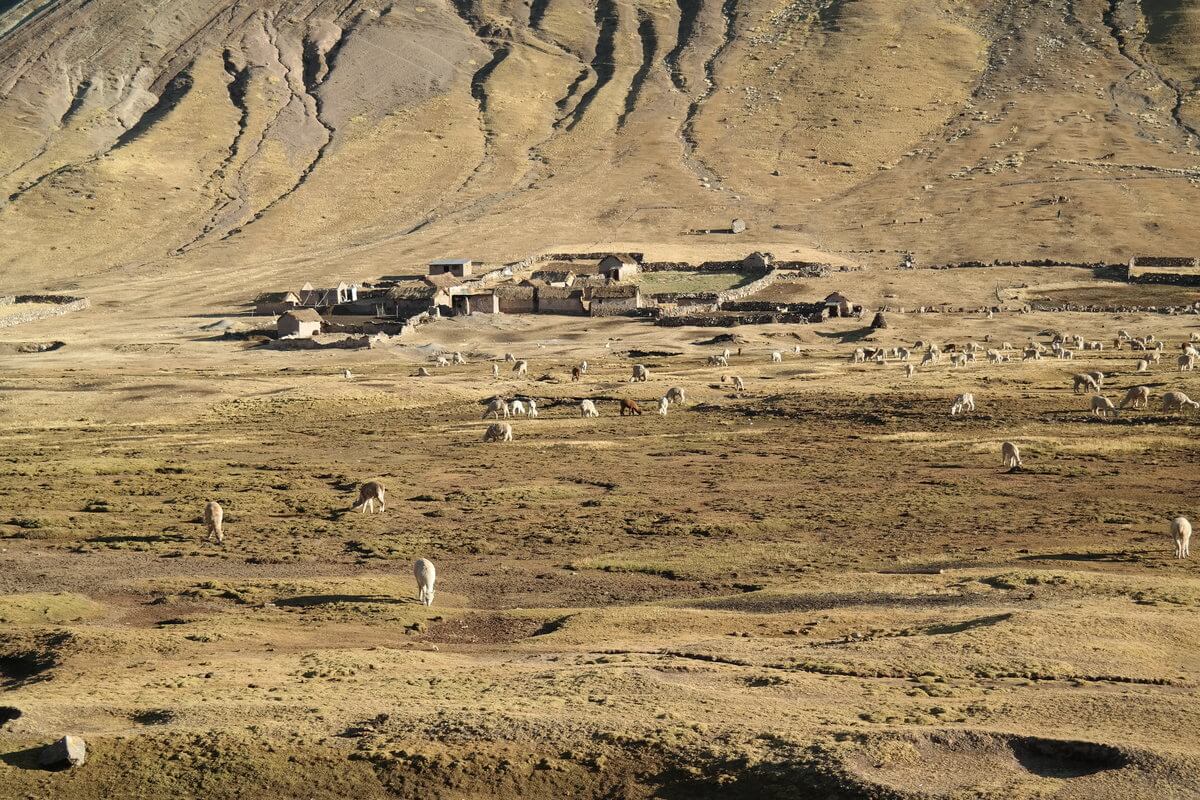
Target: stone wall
{"points": [[739, 292], [63, 304], [1172, 278]]}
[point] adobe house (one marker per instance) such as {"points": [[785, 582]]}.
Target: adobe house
{"points": [[303, 323], [838, 306], [758, 262], [311, 297], [611, 300], [475, 303], [272, 303], [411, 298], [618, 267], [553, 300], [516, 299], [552, 277], [458, 267]]}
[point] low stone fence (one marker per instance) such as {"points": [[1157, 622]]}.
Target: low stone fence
{"points": [[1036, 305], [1171, 278], [729, 320], [768, 307], [805, 269], [1032, 262], [739, 292], [61, 304]]}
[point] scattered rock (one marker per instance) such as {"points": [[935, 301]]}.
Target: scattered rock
{"points": [[69, 751]]}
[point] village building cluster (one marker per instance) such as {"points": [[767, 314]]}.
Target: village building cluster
{"points": [[587, 284], [603, 286]]}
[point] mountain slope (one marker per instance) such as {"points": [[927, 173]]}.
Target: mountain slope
{"points": [[152, 142]]}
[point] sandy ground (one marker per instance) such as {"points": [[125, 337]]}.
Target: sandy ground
{"points": [[823, 586]]}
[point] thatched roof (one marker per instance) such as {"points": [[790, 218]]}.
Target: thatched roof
{"points": [[303, 315], [836, 297], [553, 276], [614, 292], [514, 291], [277, 297], [623, 258], [412, 290], [557, 293], [443, 281], [879, 321]]}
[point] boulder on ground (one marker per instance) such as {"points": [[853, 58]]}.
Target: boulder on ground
{"points": [[69, 751]]}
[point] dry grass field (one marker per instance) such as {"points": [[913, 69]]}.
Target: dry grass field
{"points": [[824, 586]]}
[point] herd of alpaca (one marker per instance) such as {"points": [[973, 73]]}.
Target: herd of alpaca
{"points": [[372, 493]]}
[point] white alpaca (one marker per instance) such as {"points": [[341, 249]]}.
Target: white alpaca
{"points": [[1186, 363], [1098, 377], [521, 368], [995, 357], [533, 412], [909, 369], [1066, 354], [1181, 532], [517, 408], [640, 374], [725, 353], [675, 395], [442, 361], [860, 355], [796, 349], [1006, 346], [738, 384], [776, 357], [588, 409], [1011, 455], [663, 404], [958, 359], [496, 406], [495, 370], [213, 516], [583, 367], [498, 432], [964, 402], [718, 361], [1103, 407], [1143, 365], [426, 575], [1178, 401], [1084, 383], [457, 358], [1135, 397], [347, 374], [928, 358], [368, 493]]}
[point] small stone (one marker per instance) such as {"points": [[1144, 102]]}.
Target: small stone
{"points": [[69, 751]]}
